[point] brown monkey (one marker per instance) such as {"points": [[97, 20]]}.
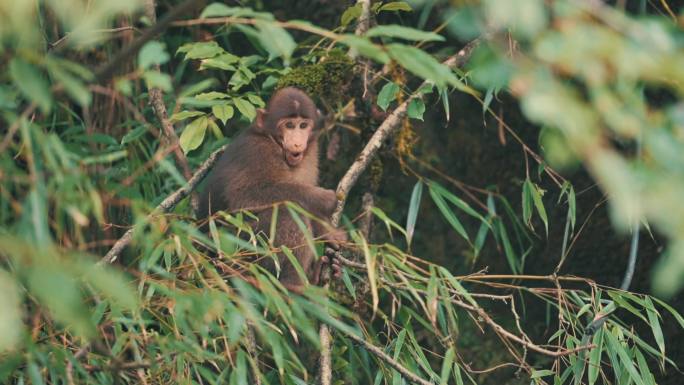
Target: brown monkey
{"points": [[276, 160]]}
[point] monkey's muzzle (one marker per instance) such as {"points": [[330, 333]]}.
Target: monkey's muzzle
{"points": [[294, 158]]}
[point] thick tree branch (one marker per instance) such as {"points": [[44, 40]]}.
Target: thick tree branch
{"points": [[167, 204]]}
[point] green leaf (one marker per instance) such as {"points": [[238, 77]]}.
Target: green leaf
{"points": [[184, 115], [276, 40], [201, 50], [414, 205], [57, 289], [527, 202], [423, 65], [223, 112], [387, 95], [212, 95], [447, 213], [193, 134], [446, 366], [223, 61], [416, 108], [72, 85], [350, 14], [218, 10], [396, 6], [245, 108], [114, 285], [654, 322], [152, 53], [539, 204], [11, 324], [624, 357], [366, 48], [542, 373], [401, 32], [31, 82], [595, 357], [155, 79]]}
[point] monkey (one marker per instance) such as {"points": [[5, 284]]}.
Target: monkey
{"points": [[276, 160]]}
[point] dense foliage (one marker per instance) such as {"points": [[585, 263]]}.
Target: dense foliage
{"points": [[107, 111]]}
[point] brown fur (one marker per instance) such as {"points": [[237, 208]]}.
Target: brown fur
{"points": [[253, 172]]}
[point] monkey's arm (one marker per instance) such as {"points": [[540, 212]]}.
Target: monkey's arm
{"points": [[317, 200]]}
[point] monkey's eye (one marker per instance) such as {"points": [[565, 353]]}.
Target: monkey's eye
{"points": [[303, 125], [289, 125]]}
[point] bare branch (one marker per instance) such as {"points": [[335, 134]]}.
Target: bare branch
{"points": [[157, 102], [167, 204]]}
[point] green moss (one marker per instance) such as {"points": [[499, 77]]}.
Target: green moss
{"points": [[325, 80]]}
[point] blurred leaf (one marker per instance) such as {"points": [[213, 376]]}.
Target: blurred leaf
{"points": [[159, 80], [31, 83], [11, 324], [366, 48], [57, 289], [276, 40], [73, 86], [193, 134], [401, 32], [524, 17], [350, 14], [112, 284], [423, 65], [153, 52]]}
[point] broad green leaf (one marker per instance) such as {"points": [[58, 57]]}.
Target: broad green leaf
{"points": [[212, 95], [246, 108], [416, 108], [201, 50], [396, 6], [401, 32], [223, 61], [223, 112], [193, 134], [112, 284], [542, 373], [177, 117], [414, 206], [387, 95], [152, 53], [31, 82]]}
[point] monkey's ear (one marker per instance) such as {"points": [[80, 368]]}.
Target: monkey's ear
{"points": [[260, 121]]}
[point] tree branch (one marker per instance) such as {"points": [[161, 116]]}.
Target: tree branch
{"points": [[167, 204], [157, 101]]}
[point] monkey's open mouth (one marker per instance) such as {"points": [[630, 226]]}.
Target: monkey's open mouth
{"points": [[293, 158]]}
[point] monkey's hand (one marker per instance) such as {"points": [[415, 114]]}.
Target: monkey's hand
{"points": [[334, 237]]}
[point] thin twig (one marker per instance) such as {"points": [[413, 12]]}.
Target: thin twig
{"points": [[167, 204]]}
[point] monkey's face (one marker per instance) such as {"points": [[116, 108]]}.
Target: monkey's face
{"points": [[294, 134]]}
